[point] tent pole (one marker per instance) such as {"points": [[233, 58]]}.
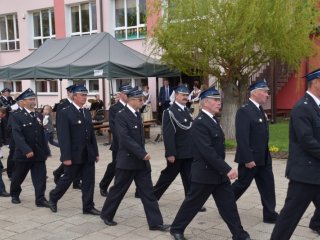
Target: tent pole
{"points": [[110, 91], [104, 92], [35, 88], [60, 81]]}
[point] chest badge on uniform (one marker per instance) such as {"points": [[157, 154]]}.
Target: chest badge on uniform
{"points": [[136, 126], [305, 102], [79, 121], [179, 110], [185, 120], [260, 119]]}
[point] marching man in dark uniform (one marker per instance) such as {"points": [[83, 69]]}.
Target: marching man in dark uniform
{"points": [[132, 164], [79, 151], [252, 155], [6, 102], [303, 166], [113, 110], [31, 150], [176, 124], [210, 173], [63, 104]]}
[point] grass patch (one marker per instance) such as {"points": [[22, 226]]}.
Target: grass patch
{"points": [[278, 137]]}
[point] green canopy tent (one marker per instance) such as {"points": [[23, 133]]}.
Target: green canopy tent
{"points": [[91, 56]]}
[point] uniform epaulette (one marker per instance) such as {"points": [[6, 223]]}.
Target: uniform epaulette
{"points": [[65, 108], [121, 110], [245, 105], [63, 100]]}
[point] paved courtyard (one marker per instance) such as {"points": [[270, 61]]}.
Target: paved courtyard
{"points": [[26, 221]]}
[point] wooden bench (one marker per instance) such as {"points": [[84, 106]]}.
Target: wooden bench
{"points": [[146, 127]]}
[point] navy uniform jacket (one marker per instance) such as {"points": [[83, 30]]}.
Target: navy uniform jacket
{"points": [[28, 135], [177, 142], [252, 135], [63, 104], [131, 141], [208, 166], [162, 95], [6, 102], [304, 142], [114, 109], [76, 136]]}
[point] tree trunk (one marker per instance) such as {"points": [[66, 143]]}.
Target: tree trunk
{"points": [[230, 106]]}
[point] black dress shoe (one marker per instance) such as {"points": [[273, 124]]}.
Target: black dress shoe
{"points": [[160, 227], [77, 186], [56, 179], [53, 206], [136, 195], [109, 222], [103, 192], [203, 209], [4, 194], [178, 236], [43, 203], [315, 229], [15, 200], [92, 211], [272, 221]]}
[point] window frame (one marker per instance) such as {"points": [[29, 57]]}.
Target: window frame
{"points": [[16, 39], [48, 92], [13, 85], [80, 33], [87, 84], [126, 28], [50, 11]]}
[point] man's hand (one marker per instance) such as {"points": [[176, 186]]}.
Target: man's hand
{"points": [[233, 174], [67, 162], [97, 159], [171, 159], [147, 157], [29, 155], [250, 164]]}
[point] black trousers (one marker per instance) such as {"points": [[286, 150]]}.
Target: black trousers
{"points": [[60, 171], [299, 196], [169, 174], [109, 173], [123, 180], [225, 201], [10, 162], [264, 179], [315, 220], [87, 171], [38, 176]]}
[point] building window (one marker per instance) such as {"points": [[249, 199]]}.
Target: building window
{"points": [[14, 86], [116, 83], [43, 26], [83, 19], [91, 84], [9, 33], [47, 86], [130, 19]]}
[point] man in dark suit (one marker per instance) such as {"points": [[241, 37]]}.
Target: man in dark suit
{"points": [[79, 151], [303, 162], [60, 170], [113, 110], [31, 150], [6, 102], [176, 125], [10, 162], [132, 164], [164, 97], [210, 173], [252, 155], [3, 192]]}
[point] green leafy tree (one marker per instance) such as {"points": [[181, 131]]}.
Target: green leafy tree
{"points": [[232, 39]]}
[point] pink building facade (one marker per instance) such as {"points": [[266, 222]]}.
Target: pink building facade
{"points": [[25, 25]]}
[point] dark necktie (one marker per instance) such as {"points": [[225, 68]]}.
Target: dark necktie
{"points": [[82, 112], [216, 119], [138, 116], [262, 112]]}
